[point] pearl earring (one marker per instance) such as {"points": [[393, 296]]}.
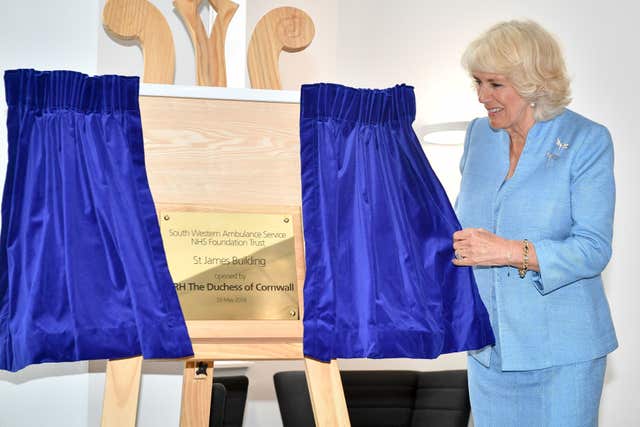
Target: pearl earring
{"points": [[533, 105]]}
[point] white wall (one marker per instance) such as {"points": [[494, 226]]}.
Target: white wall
{"points": [[365, 43], [420, 42], [45, 35]]}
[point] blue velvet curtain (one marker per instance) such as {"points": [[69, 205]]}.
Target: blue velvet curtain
{"points": [[83, 273], [378, 233]]}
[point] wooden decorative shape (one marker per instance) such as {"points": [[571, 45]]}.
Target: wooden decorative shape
{"points": [[209, 51], [142, 21], [284, 28]]}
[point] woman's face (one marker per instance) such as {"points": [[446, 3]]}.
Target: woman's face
{"points": [[507, 109]]}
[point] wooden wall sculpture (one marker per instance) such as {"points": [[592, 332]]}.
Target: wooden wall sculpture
{"points": [[140, 20], [285, 28], [282, 29], [209, 51]]}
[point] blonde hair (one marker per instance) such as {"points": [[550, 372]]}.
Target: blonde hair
{"points": [[530, 57]]}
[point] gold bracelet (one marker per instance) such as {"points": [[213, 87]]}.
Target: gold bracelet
{"points": [[525, 259]]}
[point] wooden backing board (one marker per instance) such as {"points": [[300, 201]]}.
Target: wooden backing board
{"points": [[221, 152], [243, 155]]}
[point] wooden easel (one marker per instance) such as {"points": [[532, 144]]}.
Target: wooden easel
{"points": [[184, 138]]}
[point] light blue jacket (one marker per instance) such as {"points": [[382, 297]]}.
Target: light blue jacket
{"points": [[561, 198]]}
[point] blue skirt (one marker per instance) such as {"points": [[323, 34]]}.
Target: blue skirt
{"points": [[83, 273], [559, 396], [378, 234]]}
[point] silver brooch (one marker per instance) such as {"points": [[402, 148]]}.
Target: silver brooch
{"points": [[556, 152]]}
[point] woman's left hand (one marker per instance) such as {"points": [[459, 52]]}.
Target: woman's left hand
{"points": [[479, 247]]}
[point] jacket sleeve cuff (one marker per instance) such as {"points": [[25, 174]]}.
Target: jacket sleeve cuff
{"points": [[545, 276]]}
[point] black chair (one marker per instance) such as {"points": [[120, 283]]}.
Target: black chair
{"points": [[383, 398], [442, 399], [228, 401], [218, 398]]}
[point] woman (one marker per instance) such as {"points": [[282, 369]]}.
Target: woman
{"points": [[536, 205]]}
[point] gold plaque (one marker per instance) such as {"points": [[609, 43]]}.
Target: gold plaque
{"points": [[232, 266]]}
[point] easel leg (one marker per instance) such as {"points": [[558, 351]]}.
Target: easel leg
{"points": [[121, 390], [197, 383], [327, 396]]}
